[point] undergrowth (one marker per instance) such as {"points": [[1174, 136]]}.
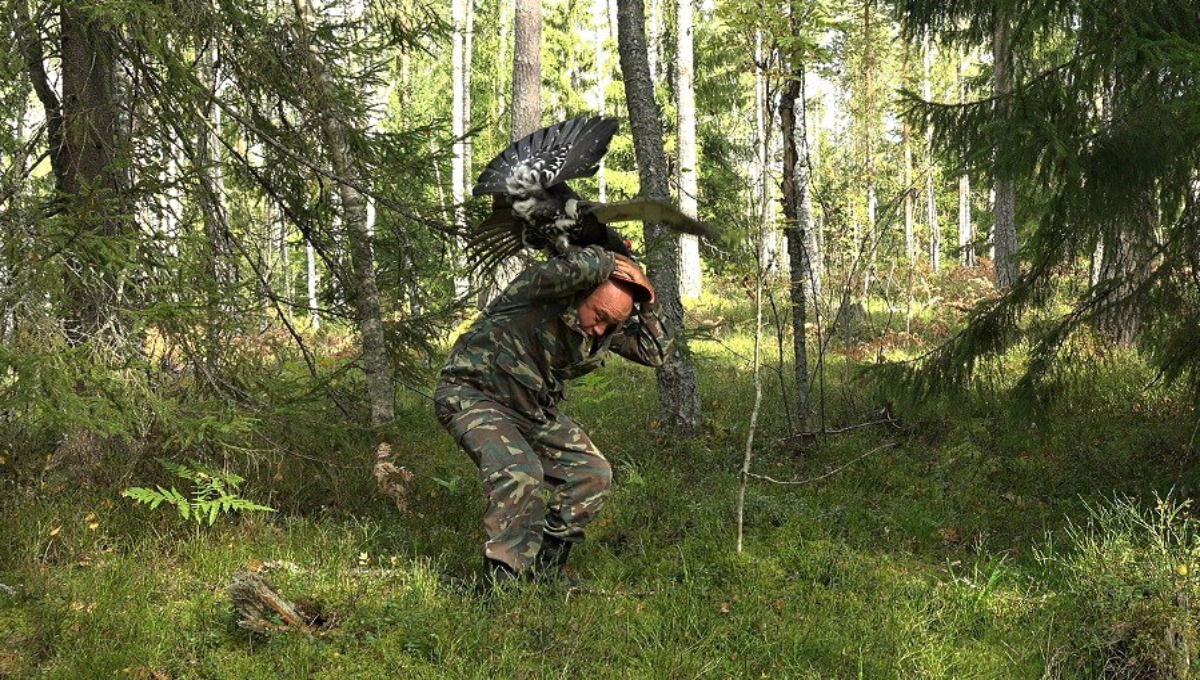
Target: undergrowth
{"points": [[971, 538]]}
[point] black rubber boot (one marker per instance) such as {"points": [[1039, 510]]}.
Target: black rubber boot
{"points": [[496, 576], [548, 566]]}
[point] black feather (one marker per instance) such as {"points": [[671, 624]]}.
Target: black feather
{"points": [[564, 151], [533, 207]]}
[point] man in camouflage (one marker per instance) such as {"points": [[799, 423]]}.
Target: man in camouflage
{"points": [[500, 389]]}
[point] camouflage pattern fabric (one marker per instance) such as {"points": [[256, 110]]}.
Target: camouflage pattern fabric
{"points": [[499, 395], [540, 478]]}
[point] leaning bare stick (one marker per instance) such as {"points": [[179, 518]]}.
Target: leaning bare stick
{"points": [[745, 475]]}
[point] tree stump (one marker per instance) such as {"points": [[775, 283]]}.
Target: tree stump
{"points": [[257, 605]]}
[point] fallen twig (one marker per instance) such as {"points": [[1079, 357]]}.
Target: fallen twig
{"points": [[887, 419], [831, 473]]}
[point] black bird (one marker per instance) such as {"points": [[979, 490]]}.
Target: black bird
{"points": [[535, 208]]}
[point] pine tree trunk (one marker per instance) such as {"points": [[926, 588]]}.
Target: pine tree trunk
{"points": [[365, 295], [1008, 268], [677, 392], [795, 186], [690, 283]]}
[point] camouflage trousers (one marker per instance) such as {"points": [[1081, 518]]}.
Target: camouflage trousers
{"points": [[539, 477]]}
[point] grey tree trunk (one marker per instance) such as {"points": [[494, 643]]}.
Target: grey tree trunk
{"points": [[910, 195], [868, 132], [599, 23], [690, 283], [459, 84], [966, 233], [1008, 266], [527, 69], [526, 112], [1124, 254], [220, 262], [678, 397], [931, 216], [795, 186], [88, 173], [365, 295]]}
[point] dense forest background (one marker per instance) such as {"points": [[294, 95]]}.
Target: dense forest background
{"points": [[931, 413]]}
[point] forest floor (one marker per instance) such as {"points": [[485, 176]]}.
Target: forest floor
{"points": [[971, 539]]}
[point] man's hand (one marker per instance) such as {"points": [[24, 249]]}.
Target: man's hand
{"points": [[629, 272]]}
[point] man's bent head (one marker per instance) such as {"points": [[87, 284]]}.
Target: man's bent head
{"points": [[606, 307]]}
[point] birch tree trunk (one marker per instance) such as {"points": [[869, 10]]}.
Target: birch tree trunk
{"points": [[1008, 268], [459, 82], [910, 197], [689, 246], [365, 295], [599, 22], [678, 397], [868, 132], [931, 216], [965, 231]]}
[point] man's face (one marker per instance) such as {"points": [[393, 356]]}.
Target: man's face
{"points": [[605, 307]]}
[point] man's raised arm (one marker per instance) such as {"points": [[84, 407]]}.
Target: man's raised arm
{"points": [[565, 275]]}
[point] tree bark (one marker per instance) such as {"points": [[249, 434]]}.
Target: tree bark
{"points": [[459, 83], [910, 195], [365, 295], [931, 216], [795, 187], [526, 112], [965, 230], [1123, 253], [527, 69], [678, 397], [89, 177], [1008, 267], [868, 131], [689, 245]]}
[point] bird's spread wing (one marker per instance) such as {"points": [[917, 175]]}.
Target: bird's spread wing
{"points": [[549, 156], [497, 237], [649, 210]]}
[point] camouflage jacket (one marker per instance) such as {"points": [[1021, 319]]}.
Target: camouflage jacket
{"points": [[528, 343]]}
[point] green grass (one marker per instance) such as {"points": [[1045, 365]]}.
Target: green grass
{"points": [[963, 548]]}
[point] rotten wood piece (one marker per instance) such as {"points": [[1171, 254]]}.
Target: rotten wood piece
{"points": [[261, 609]]}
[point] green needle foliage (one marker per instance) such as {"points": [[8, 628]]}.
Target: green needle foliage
{"points": [[1102, 132]]}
